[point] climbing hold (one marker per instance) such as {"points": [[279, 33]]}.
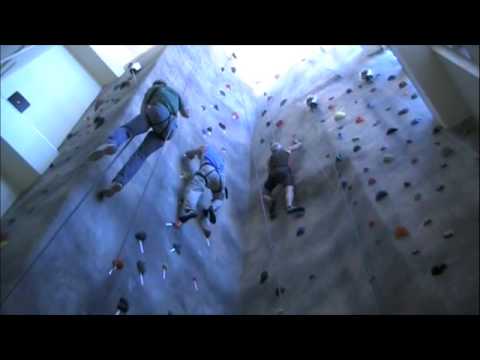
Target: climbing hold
{"points": [[300, 231], [177, 248], [209, 129], [122, 306], [222, 92], [417, 197], [195, 283], [263, 277], [215, 107], [339, 158], [447, 151], [376, 123], [355, 102], [141, 237], [365, 170], [414, 160], [233, 69], [222, 69], [228, 86], [391, 77], [312, 277], [355, 139], [437, 143], [339, 115], [388, 108], [262, 141], [414, 96], [164, 271], [371, 181], [409, 141], [372, 279], [264, 112], [391, 131], [444, 165], [403, 112], [357, 148], [234, 56], [117, 265], [282, 290], [279, 124], [436, 130], [331, 98], [448, 234], [438, 269], [277, 76], [373, 90], [331, 107], [381, 195], [340, 127], [359, 120], [283, 102], [402, 84], [427, 222], [370, 106], [339, 136], [387, 159], [222, 126], [235, 116], [141, 270], [204, 132], [415, 122], [401, 232], [327, 156], [354, 203], [267, 123], [322, 121], [440, 188], [349, 188], [99, 121], [344, 184], [204, 108], [269, 98], [360, 86], [406, 184], [349, 91], [416, 252], [366, 75], [371, 224], [277, 292]]}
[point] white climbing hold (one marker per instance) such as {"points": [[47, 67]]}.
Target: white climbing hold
{"points": [[195, 284], [339, 115], [164, 271]]}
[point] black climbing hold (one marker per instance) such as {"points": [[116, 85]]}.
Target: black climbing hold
{"points": [[372, 279], [209, 129], [381, 195], [447, 151], [354, 203], [222, 69], [372, 181], [383, 148], [141, 266], [283, 102], [370, 106], [322, 121], [438, 269], [448, 234], [222, 126], [349, 187], [233, 69], [402, 84], [340, 127], [215, 107], [357, 148], [376, 123], [300, 231], [204, 132], [406, 184], [222, 92], [373, 90], [427, 222], [417, 197], [416, 252], [331, 98], [349, 91], [312, 277], [391, 77], [69, 136], [282, 290], [403, 112], [263, 277], [414, 96], [339, 158], [327, 156], [177, 248], [437, 143], [355, 139], [11, 221], [344, 184], [414, 161], [440, 188], [409, 141], [234, 56], [365, 170], [277, 292], [388, 108], [414, 122], [141, 235], [262, 141], [444, 165], [391, 131], [359, 86], [204, 107], [264, 112], [356, 101], [99, 121], [267, 123], [51, 166], [436, 130]]}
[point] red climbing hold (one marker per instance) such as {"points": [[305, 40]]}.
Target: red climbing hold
{"points": [[279, 123], [401, 232], [359, 120], [228, 87], [371, 181], [331, 107]]}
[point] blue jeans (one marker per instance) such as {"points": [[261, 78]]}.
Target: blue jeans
{"points": [[152, 142]]}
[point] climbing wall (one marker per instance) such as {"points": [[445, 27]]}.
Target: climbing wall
{"points": [[391, 200], [56, 264], [391, 203]]}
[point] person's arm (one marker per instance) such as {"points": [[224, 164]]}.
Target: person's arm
{"points": [[195, 152], [182, 109], [295, 146]]}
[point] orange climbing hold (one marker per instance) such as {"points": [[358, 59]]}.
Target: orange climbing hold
{"points": [[401, 232], [359, 120]]}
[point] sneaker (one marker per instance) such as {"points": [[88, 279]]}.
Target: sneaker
{"points": [[295, 209], [101, 151], [112, 190]]}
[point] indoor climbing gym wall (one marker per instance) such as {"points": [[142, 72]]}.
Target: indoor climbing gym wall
{"points": [[391, 201]]}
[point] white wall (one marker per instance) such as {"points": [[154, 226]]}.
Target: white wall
{"points": [[93, 63], [59, 91]]}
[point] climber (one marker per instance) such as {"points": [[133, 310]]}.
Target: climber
{"points": [[159, 113], [312, 103], [209, 175], [280, 173]]}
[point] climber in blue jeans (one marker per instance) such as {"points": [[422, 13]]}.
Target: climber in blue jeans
{"points": [[158, 113]]}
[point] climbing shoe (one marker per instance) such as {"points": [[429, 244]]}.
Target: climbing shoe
{"points": [[185, 218], [295, 210], [207, 233], [112, 190], [101, 151], [211, 215]]}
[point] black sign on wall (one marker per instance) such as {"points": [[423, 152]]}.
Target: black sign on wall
{"points": [[17, 100]]}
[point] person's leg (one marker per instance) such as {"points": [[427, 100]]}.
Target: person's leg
{"points": [[290, 194], [138, 125], [193, 191], [268, 188]]}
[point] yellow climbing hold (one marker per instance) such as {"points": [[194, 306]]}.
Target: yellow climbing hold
{"points": [[339, 115]]}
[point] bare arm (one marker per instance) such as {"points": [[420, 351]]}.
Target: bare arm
{"points": [[295, 146], [182, 109]]}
